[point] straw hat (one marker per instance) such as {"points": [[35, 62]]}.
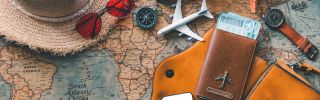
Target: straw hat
{"points": [[49, 25]]}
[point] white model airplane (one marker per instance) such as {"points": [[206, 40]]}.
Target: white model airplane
{"points": [[179, 23]]}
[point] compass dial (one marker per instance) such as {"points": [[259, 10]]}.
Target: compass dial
{"points": [[274, 18], [146, 18]]}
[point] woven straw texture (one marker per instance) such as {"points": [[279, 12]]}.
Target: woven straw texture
{"points": [[59, 38]]}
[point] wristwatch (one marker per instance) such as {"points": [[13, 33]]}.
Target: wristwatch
{"points": [[275, 19]]}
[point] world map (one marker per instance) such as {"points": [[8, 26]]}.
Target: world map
{"points": [[122, 66]]}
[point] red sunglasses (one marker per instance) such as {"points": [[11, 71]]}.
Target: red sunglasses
{"points": [[89, 25]]}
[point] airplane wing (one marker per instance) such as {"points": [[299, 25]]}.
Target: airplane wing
{"points": [[219, 78], [177, 13], [186, 30], [229, 80]]}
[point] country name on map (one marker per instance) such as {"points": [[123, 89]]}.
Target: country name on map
{"points": [[30, 69], [119, 28], [79, 91]]}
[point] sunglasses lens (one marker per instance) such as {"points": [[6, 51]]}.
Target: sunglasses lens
{"points": [[120, 8], [89, 25]]}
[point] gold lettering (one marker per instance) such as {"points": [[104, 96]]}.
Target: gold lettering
{"points": [[219, 92]]}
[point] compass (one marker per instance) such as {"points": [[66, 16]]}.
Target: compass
{"points": [[146, 18]]}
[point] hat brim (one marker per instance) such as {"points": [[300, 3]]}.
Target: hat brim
{"points": [[57, 38]]}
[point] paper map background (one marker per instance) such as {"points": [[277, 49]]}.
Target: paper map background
{"points": [[123, 65]]}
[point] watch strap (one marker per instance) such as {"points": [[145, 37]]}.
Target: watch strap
{"points": [[301, 42]]}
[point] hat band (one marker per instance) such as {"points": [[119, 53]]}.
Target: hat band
{"points": [[55, 19]]}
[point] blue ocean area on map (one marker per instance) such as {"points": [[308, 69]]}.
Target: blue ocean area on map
{"points": [[5, 90], [315, 4], [89, 75]]}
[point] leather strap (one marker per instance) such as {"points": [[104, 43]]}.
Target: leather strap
{"points": [[301, 42]]}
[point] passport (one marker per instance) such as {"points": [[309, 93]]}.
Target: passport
{"points": [[228, 60], [237, 24]]}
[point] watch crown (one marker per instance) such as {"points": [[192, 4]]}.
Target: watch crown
{"points": [[263, 17]]}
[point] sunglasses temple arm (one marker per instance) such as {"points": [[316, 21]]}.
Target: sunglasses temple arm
{"points": [[101, 12], [94, 34]]}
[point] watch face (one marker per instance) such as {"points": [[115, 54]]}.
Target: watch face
{"points": [[146, 18], [274, 18]]}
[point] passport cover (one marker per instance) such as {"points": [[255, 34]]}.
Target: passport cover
{"points": [[225, 70]]}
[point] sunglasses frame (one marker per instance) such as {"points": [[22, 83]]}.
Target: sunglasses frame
{"points": [[98, 16]]}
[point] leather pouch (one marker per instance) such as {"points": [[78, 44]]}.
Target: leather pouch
{"points": [[226, 66], [280, 82], [186, 67]]}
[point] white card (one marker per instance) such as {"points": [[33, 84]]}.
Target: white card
{"points": [[184, 96], [239, 25]]}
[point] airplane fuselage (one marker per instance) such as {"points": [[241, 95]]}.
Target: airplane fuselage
{"points": [[224, 80], [179, 23]]}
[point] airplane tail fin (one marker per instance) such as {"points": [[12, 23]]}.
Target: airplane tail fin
{"points": [[204, 10]]}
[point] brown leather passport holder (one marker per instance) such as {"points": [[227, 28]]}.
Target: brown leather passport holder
{"points": [[225, 70]]}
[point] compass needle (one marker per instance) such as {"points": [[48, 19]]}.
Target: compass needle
{"points": [[146, 18]]}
